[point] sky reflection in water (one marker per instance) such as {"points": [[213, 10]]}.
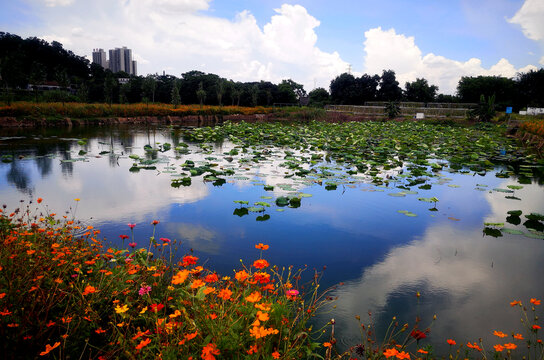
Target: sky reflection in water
{"points": [[382, 256]]}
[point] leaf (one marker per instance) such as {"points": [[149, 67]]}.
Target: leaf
{"points": [[492, 232], [305, 195], [400, 194], [282, 201], [512, 231], [535, 216], [514, 212], [493, 224], [240, 211], [263, 218], [515, 187], [503, 190], [255, 209], [262, 203], [243, 202]]}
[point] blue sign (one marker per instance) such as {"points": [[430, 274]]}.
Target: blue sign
{"points": [[509, 110]]}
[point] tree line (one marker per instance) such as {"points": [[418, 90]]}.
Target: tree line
{"points": [[26, 63]]}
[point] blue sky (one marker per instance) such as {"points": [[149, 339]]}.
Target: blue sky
{"points": [[309, 41]]}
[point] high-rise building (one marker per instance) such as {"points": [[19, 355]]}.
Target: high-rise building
{"points": [[99, 57], [120, 60]]}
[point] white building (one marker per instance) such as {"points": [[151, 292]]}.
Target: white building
{"points": [[120, 60]]}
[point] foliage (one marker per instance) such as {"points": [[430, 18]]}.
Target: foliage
{"points": [[346, 89], [531, 88], [389, 87], [201, 94], [63, 294], [176, 100], [319, 97], [420, 91], [535, 127], [82, 110], [470, 89], [392, 109], [485, 111]]}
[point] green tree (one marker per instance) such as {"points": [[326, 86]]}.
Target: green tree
{"points": [[531, 88], [392, 109], [254, 95], [149, 86], [109, 86], [37, 77], [420, 91], [124, 89], [389, 87], [319, 97], [201, 93], [485, 111], [176, 99], [470, 89], [220, 91]]}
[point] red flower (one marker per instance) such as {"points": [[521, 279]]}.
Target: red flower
{"points": [[132, 244], [123, 237], [211, 278], [156, 307], [418, 335], [131, 226], [39, 200], [155, 222], [260, 264], [166, 240], [189, 260]]}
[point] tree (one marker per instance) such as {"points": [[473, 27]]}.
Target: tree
{"points": [[124, 89], [392, 109], [349, 90], [470, 89], [109, 85], [149, 86], [485, 111], [420, 91], [286, 92], [531, 88], [176, 100], [37, 77], [389, 87], [201, 93], [236, 93], [319, 97], [254, 95], [220, 91]]}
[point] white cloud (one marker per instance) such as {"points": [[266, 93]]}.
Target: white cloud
{"points": [[183, 36], [541, 61], [531, 19], [385, 49], [53, 3]]}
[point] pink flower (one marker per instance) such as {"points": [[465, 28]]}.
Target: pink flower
{"points": [[132, 244], [127, 260], [131, 226], [292, 292], [166, 240], [144, 290]]}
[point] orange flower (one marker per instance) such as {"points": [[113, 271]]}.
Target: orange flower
{"points": [[499, 334], [254, 297], [143, 343], [498, 347], [48, 348], [197, 284], [327, 344], [403, 355], [518, 337], [211, 278], [390, 352], [209, 351], [252, 349], [260, 264], [209, 290], [180, 277], [191, 336], [263, 307], [224, 294], [276, 354], [259, 332], [39, 200], [474, 346], [536, 327], [241, 275], [510, 346], [262, 277], [451, 342], [422, 351], [535, 301], [89, 290], [261, 246], [515, 302], [262, 316]]}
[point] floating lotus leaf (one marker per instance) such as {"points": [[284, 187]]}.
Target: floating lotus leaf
{"points": [[535, 216], [262, 203], [514, 212], [255, 209], [263, 217], [492, 232], [282, 201], [512, 231], [514, 187], [243, 202]]}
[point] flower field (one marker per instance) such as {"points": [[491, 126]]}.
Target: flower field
{"points": [[64, 294], [535, 127], [84, 110], [67, 296]]}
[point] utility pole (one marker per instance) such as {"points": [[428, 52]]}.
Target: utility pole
{"points": [[349, 69]]}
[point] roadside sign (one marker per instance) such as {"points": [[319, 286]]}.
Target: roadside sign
{"points": [[509, 110]]}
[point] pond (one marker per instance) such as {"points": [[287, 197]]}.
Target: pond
{"points": [[387, 215]]}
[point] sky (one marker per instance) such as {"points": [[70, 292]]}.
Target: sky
{"points": [[308, 41]]}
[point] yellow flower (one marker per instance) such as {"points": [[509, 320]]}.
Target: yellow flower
{"points": [[121, 309], [143, 310]]}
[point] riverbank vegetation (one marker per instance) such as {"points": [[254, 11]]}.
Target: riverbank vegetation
{"points": [[65, 294]]}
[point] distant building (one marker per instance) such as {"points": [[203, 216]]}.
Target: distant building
{"points": [[120, 59], [99, 57]]}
